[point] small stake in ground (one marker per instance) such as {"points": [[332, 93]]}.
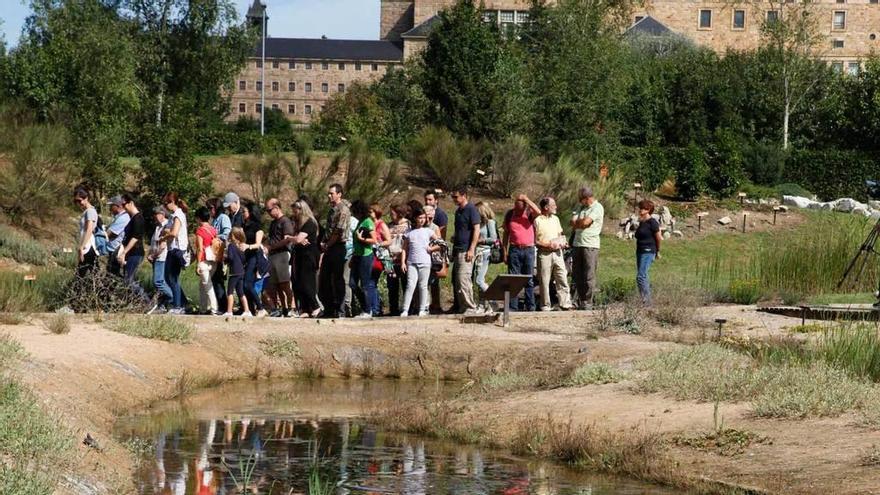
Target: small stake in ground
{"points": [[742, 198], [745, 216], [637, 186], [720, 322], [775, 211], [700, 216]]}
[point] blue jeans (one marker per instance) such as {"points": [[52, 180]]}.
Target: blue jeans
{"points": [[362, 284], [481, 262], [173, 265], [643, 264], [250, 280], [521, 261], [130, 271], [163, 291]]}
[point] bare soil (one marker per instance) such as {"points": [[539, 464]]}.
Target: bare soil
{"points": [[91, 376]]}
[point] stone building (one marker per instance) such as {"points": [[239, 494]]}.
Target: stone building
{"points": [[301, 74]]}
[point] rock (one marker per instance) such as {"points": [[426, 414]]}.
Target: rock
{"points": [[725, 220], [797, 201], [678, 233], [666, 235], [665, 215], [783, 208], [874, 204], [858, 210], [875, 215], [620, 234], [656, 216], [583, 350], [847, 205], [623, 222]]}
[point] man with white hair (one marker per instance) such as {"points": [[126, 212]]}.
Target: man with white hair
{"points": [[586, 220]]}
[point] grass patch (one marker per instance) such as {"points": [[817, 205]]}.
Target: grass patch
{"points": [[311, 368], [432, 419], [59, 324], [507, 381], [18, 295], [22, 248], [725, 442], [165, 328], [800, 392], [594, 374], [853, 348], [12, 318], [870, 457], [280, 347], [34, 446]]}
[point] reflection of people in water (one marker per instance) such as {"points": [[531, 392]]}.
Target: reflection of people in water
{"points": [[205, 482]]}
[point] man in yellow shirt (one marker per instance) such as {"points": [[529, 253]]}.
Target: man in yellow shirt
{"points": [[587, 223], [550, 240]]}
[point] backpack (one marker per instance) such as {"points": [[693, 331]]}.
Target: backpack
{"points": [[440, 259], [101, 240]]}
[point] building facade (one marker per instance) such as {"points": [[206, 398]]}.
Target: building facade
{"points": [[302, 74]]}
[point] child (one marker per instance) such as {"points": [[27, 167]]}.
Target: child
{"points": [[207, 261], [235, 267], [158, 254], [416, 261]]}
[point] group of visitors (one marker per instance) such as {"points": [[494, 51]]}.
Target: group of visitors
{"points": [[302, 267]]}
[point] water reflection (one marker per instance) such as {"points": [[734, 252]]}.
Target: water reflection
{"points": [[275, 454]]}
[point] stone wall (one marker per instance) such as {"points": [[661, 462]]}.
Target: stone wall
{"points": [[396, 18]]}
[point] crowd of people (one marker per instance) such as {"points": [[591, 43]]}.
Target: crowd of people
{"points": [[303, 267]]}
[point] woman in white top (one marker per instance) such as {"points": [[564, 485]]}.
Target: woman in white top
{"points": [[178, 244], [416, 261], [157, 256], [87, 252]]}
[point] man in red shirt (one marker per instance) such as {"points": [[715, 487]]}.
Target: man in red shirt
{"points": [[519, 245]]}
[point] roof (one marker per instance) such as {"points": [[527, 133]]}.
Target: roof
{"points": [[327, 49], [256, 10], [423, 29], [649, 26]]}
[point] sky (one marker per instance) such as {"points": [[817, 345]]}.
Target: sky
{"points": [[339, 19]]}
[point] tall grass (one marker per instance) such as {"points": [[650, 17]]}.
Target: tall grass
{"points": [[165, 328], [808, 260], [852, 348], [45, 293], [22, 248]]}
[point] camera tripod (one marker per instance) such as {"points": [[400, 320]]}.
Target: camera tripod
{"points": [[860, 260]]}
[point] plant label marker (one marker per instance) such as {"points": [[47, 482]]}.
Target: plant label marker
{"points": [[636, 187], [775, 211], [745, 216], [30, 277], [700, 216], [720, 322], [742, 198]]}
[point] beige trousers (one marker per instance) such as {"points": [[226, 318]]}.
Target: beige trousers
{"points": [[551, 266], [462, 282]]}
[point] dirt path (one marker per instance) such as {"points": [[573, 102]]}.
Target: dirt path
{"points": [[92, 375]]}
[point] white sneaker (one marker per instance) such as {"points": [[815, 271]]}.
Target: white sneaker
{"points": [[423, 314], [473, 312], [364, 315], [247, 314], [262, 313], [404, 315], [227, 315]]}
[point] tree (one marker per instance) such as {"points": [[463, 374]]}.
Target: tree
{"points": [[305, 179], [792, 40], [472, 77], [446, 160], [369, 176]]}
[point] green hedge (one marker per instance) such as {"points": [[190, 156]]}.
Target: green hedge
{"points": [[833, 173]]}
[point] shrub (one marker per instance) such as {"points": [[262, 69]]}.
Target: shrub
{"points": [[791, 189], [594, 374], [506, 381], [18, 295], [165, 328], [512, 161], [59, 324], [764, 162], [799, 392], [39, 172], [100, 291], [745, 291], [369, 176], [446, 160], [833, 173], [618, 289], [855, 349], [22, 248], [726, 163], [264, 174], [691, 171]]}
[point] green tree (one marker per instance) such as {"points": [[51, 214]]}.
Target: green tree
{"points": [[369, 176], [76, 60], [472, 76]]}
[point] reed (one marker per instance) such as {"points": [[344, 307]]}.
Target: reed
{"points": [[852, 348]]}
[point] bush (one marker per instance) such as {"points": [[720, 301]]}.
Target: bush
{"points": [[726, 163], [745, 291], [264, 174], [833, 173], [691, 171], [446, 160], [165, 328], [764, 162], [791, 189], [22, 248], [814, 391], [18, 295], [103, 292], [369, 176], [59, 324], [594, 374], [512, 161], [618, 289]]}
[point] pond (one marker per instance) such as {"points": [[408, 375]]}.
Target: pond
{"points": [[300, 437]]}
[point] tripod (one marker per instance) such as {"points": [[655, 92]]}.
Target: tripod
{"points": [[860, 260]]}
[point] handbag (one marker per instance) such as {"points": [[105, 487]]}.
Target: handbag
{"points": [[495, 254], [440, 259]]}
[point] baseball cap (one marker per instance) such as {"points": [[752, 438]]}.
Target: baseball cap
{"points": [[116, 200], [229, 199]]}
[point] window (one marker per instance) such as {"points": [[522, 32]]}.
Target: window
{"points": [[308, 87], [242, 85], [837, 67], [841, 1], [508, 16], [291, 65], [308, 66], [325, 66], [705, 19], [291, 86], [308, 109], [341, 66], [258, 107], [341, 88], [325, 87], [490, 16], [772, 16], [291, 109], [258, 64], [357, 66], [275, 86], [275, 64], [259, 85], [274, 106], [375, 67], [522, 17], [242, 107], [638, 19], [853, 68], [739, 19], [839, 22], [836, 43]]}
